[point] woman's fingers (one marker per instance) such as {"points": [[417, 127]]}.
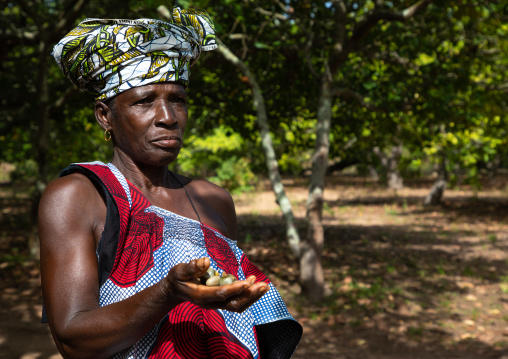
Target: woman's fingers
{"points": [[231, 297], [188, 271], [197, 267], [223, 293], [241, 303], [235, 297]]}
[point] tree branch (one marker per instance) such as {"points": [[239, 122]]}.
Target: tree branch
{"points": [[31, 14], [228, 55], [363, 28], [28, 38], [271, 14], [69, 91], [266, 142], [346, 94], [282, 6], [66, 19], [393, 57], [307, 52], [492, 87], [238, 36], [339, 36], [235, 24]]}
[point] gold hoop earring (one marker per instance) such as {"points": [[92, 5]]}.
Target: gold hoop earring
{"points": [[107, 135]]}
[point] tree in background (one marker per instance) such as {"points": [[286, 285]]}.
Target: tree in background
{"points": [[255, 28], [334, 30], [377, 84], [46, 123], [313, 41], [29, 30], [466, 93]]}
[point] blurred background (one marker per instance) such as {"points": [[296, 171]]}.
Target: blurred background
{"points": [[364, 143]]}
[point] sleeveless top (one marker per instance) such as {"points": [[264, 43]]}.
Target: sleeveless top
{"points": [[140, 243]]}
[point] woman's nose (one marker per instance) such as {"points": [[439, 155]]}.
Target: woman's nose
{"points": [[164, 113]]}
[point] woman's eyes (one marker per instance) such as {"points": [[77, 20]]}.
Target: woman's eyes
{"points": [[143, 101], [172, 99], [177, 99]]}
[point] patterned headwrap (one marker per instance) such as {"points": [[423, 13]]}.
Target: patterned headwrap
{"points": [[108, 56]]}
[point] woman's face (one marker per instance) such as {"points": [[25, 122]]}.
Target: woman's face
{"points": [[149, 122]]}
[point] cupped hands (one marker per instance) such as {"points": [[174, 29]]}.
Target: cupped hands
{"points": [[182, 282]]}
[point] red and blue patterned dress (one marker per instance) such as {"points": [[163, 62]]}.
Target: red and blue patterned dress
{"points": [[139, 245]]}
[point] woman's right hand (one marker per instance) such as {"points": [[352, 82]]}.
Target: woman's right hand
{"points": [[181, 282]]}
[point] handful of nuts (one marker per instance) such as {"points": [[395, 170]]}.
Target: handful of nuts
{"points": [[212, 278]]}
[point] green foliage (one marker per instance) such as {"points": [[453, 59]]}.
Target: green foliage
{"points": [[435, 83], [73, 135], [215, 156], [234, 174]]}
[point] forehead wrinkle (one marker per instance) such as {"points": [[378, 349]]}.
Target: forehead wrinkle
{"points": [[152, 88]]}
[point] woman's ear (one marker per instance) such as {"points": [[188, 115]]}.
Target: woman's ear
{"points": [[103, 115]]}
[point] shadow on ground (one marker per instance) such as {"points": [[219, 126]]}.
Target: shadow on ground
{"points": [[426, 283], [436, 288]]}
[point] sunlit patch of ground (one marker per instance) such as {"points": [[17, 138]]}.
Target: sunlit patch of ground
{"points": [[403, 280]]}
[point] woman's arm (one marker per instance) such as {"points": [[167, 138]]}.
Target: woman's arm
{"points": [[71, 215]]}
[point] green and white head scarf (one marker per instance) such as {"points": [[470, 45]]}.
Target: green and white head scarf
{"points": [[108, 56]]}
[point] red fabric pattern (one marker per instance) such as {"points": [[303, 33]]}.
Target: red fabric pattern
{"points": [[250, 269], [115, 188], [139, 201], [218, 249], [221, 343], [135, 257], [182, 334], [138, 238], [188, 330], [192, 332]]}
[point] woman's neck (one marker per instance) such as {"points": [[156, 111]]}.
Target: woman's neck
{"points": [[143, 176]]}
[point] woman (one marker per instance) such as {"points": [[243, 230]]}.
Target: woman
{"points": [[123, 244]]}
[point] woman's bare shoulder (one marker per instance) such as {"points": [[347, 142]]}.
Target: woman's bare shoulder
{"points": [[69, 188], [214, 192], [205, 189], [71, 200], [215, 205]]}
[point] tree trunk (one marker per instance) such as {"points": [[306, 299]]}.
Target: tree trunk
{"points": [[493, 167], [311, 268], [393, 177], [51, 25], [272, 165], [391, 164], [42, 145], [436, 192], [292, 235]]}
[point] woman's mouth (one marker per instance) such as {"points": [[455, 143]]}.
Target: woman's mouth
{"points": [[167, 142]]}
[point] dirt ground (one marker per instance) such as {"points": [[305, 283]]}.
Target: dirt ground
{"points": [[403, 281]]}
